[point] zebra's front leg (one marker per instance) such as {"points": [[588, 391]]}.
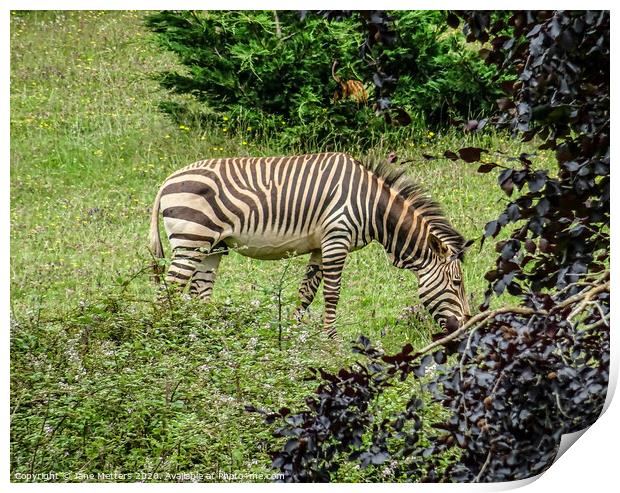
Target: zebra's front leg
{"points": [[334, 253], [204, 276], [310, 284]]}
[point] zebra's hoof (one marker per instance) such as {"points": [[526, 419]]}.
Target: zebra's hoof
{"points": [[333, 335]]}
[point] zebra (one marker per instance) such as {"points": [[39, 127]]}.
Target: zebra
{"points": [[325, 204]]}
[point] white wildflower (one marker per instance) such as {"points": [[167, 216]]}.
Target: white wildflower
{"points": [[430, 369]]}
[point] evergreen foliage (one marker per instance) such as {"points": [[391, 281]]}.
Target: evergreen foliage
{"points": [[273, 71]]}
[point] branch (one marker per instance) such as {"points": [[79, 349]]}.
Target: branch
{"points": [[478, 320], [475, 322], [276, 20], [583, 298]]}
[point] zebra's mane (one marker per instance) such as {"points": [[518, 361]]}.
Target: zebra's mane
{"points": [[397, 179]]}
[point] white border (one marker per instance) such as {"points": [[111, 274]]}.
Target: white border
{"points": [[590, 465]]}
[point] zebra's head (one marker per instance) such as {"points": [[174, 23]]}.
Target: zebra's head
{"points": [[441, 283]]}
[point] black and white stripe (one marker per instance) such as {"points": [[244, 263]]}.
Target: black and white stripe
{"points": [[323, 204]]}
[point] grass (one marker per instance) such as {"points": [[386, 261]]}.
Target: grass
{"points": [[102, 379]]}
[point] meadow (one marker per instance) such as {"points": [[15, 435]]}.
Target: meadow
{"points": [[104, 380]]}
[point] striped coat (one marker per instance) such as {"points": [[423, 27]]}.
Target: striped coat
{"points": [[326, 205]]}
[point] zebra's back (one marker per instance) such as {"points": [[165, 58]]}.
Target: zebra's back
{"points": [[267, 207]]}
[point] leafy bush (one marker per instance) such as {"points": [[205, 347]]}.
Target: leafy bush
{"points": [[561, 96], [147, 391], [272, 73], [423, 67]]}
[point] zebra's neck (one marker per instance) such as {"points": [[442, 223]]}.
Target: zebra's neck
{"points": [[400, 229]]}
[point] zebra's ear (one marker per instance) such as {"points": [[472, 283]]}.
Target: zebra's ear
{"points": [[460, 255], [438, 246]]}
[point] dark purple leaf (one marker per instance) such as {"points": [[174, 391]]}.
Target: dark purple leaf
{"points": [[508, 186], [510, 249], [291, 445], [513, 212], [485, 168], [491, 229], [452, 20], [470, 154], [530, 246], [536, 182], [543, 207], [505, 104], [450, 155]]}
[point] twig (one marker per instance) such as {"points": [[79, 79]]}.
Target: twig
{"points": [[126, 283], [584, 299], [279, 294], [585, 294], [584, 281], [157, 277], [600, 310], [174, 390], [596, 324], [276, 20], [15, 407], [288, 36], [483, 468], [557, 400], [40, 437]]}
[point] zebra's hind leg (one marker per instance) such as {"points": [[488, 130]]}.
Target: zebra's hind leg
{"points": [[182, 267], [204, 276], [310, 284]]}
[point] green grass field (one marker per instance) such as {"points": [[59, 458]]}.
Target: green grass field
{"points": [[103, 380]]}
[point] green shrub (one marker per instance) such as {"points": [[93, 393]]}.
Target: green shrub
{"points": [[273, 72], [441, 78]]}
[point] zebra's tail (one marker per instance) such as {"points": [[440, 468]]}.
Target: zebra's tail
{"points": [[156, 247]]}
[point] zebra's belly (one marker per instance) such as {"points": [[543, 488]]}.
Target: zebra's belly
{"points": [[272, 247]]}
